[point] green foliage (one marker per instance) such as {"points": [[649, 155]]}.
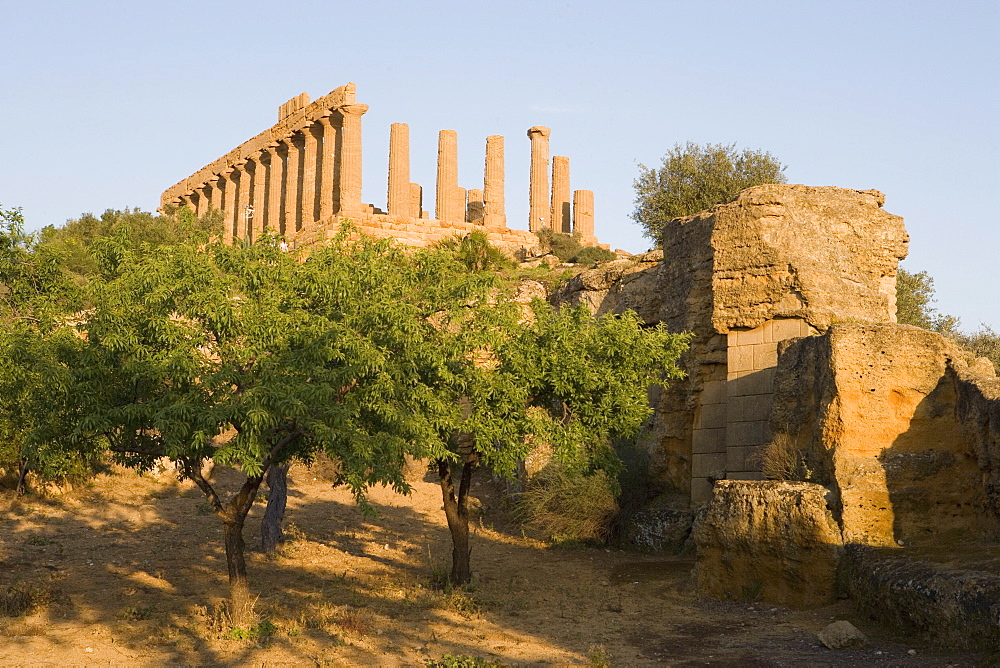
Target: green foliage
{"points": [[572, 381], [261, 631], [569, 506], [984, 342], [476, 253], [564, 246], [35, 295], [593, 255], [914, 299], [914, 296], [133, 229], [694, 177]]}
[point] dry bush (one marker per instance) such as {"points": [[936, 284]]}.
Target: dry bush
{"points": [[568, 507], [24, 599], [781, 459]]}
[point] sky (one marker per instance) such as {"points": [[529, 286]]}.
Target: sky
{"points": [[106, 104]]}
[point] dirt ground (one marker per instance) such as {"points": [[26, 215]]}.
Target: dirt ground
{"points": [[131, 571]]}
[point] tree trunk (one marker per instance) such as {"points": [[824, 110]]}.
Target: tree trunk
{"points": [[270, 526], [240, 600], [22, 477], [456, 510]]}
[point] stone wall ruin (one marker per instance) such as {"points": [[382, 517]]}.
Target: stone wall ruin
{"points": [[302, 176]]}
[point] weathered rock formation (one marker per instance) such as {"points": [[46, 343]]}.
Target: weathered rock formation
{"points": [[302, 177], [778, 262], [890, 419]]}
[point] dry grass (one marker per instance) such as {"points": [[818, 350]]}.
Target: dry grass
{"points": [[568, 507], [781, 459], [24, 599]]}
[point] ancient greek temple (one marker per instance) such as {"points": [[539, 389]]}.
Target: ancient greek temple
{"points": [[302, 176]]}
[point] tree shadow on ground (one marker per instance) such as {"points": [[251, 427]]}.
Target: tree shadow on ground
{"points": [[138, 571]]}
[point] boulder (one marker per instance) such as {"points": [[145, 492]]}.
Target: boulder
{"points": [[770, 540], [842, 635], [663, 525]]}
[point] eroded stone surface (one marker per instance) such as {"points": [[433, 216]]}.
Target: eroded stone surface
{"points": [[773, 540], [881, 414]]}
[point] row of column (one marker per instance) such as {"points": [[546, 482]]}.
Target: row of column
{"points": [[306, 177], [552, 208], [452, 203], [315, 174]]}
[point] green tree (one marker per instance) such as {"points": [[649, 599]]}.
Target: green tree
{"points": [[914, 299], [914, 306], [34, 295], [693, 178], [563, 378], [136, 229], [252, 357]]}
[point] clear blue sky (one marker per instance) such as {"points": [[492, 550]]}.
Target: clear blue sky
{"points": [[105, 104]]}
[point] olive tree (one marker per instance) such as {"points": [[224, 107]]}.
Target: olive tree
{"points": [[695, 177]]}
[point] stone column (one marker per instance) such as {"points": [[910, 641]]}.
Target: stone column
{"points": [[493, 197], [583, 215], [293, 208], [186, 200], [560, 215], [202, 203], [447, 205], [398, 199], [327, 162], [474, 211], [215, 185], [242, 202], [538, 194], [259, 198], [416, 200], [350, 158], [275, 183], [309, 153], [230, 216]]}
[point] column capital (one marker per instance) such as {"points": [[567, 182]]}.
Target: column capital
{"points": [[355, 109], [540, 130]]}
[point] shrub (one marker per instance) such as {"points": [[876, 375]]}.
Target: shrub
{"points": [[563, 246], [565, 506], [593, 255]]}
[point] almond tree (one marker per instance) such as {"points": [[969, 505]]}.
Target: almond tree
{"points": [[254, 357], [564, 378]]}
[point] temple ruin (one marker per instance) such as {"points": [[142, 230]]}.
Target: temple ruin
{"points": [[302, 176]]}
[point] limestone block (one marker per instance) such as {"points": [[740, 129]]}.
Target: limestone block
{"points": [[705, 441], [842, 635], [708, 464], [876, 413], [774, 540], [710, 416], [740, 358], [820, 254], [745, 433], [765, 356], [714, 392]]}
